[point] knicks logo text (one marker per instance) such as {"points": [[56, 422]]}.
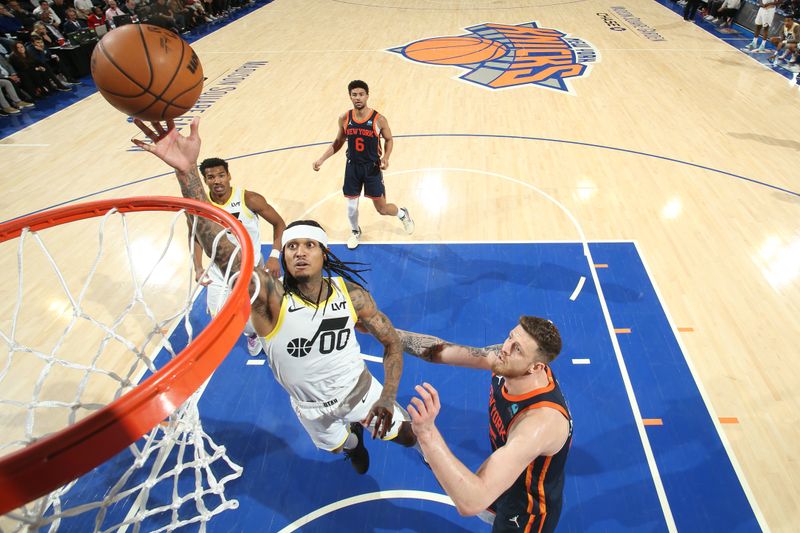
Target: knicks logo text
{"points": [[500, 56], [363, 132]]}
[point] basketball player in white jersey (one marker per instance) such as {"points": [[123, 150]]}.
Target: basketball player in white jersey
{"points": [[764, 16], [247, 206], [786, 41], [306, 323]]}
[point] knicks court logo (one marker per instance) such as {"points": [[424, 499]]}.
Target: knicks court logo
{"points": [[499, 56]]}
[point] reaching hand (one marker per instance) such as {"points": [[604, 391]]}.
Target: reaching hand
{"points": [[381, 412], [201, 278], [174, 149], [423, 410]]}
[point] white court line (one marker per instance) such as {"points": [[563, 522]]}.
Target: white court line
{"points": [[577, 290], [637, 416], [581, 361], [368, 497], [256, 362], [714, 418], [372, 358]]}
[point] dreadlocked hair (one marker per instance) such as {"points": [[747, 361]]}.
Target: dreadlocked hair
{"points": [[331, 265]]}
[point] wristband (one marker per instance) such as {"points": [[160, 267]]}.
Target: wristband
{"points": [[275, 253]]}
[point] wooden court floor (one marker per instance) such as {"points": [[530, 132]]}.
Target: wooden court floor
{"points": [[682, 144]]}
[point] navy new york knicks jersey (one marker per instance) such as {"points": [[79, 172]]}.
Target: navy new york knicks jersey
{"points": [[363, 139], [533, 501]]}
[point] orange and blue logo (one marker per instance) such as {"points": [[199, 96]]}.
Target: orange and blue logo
{"points": [[500, 56]]}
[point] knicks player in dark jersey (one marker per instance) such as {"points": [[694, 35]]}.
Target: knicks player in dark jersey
{"points": [[362, 128], [519, 486]]}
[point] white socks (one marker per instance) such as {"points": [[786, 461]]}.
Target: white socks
{"points": [[352, 213]]}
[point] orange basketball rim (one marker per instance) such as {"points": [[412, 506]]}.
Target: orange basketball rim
{"points": [[57, 459]]}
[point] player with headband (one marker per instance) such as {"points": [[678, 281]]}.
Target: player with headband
{"points": [[306, 323]]}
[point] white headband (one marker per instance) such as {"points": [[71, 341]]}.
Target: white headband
{"points": [[305, 232]]}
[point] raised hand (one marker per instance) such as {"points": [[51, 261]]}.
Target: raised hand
{"points": [[178, 151], [423, 410]]}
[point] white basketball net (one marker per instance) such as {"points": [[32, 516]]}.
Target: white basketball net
{"points": [[176, 474]]}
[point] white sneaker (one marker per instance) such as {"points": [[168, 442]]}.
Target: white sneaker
{"points": [[408, 223], [750, 46], [352, 242], [254, 346], [708, 17]]}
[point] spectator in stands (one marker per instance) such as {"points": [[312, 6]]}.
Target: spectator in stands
{"points": [[197, 7], [43, 55], [161, 15], [10, 102], [766, 12], [84, 8], [723, 12], [97, 18], [25, 17], [786, 40], [113, 11], [72, 23], [46, 32], [142, 10], [791, 8], [38, 77], [8, 22], [690, 9], [59, 7], [130, 9], [46, 15], [185, 18]]}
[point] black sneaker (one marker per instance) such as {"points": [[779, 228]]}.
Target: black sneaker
{"points": [[358, 456]]}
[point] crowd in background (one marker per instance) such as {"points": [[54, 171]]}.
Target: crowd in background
{"points": [[32, 32]]}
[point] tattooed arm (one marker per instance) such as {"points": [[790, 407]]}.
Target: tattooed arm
{"points": [[435, 350], [181, 153], [379, 325]]}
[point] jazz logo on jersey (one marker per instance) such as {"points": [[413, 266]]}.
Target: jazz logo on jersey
{"points": [[500, 56]]}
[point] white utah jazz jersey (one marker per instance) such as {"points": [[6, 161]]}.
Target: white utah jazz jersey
{"points": [[236, 206], [313, 351]]}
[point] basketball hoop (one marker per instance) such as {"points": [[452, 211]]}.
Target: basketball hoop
{"points": [[58, 458]]}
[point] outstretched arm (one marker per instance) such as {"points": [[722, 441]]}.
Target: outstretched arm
{"points": [[381, 328], [334, 147], [538, 432], [181, 153], [258, 204], [435, 350]]}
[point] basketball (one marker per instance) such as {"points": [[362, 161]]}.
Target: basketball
{"points": [[455, 50], [147, 72]]}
